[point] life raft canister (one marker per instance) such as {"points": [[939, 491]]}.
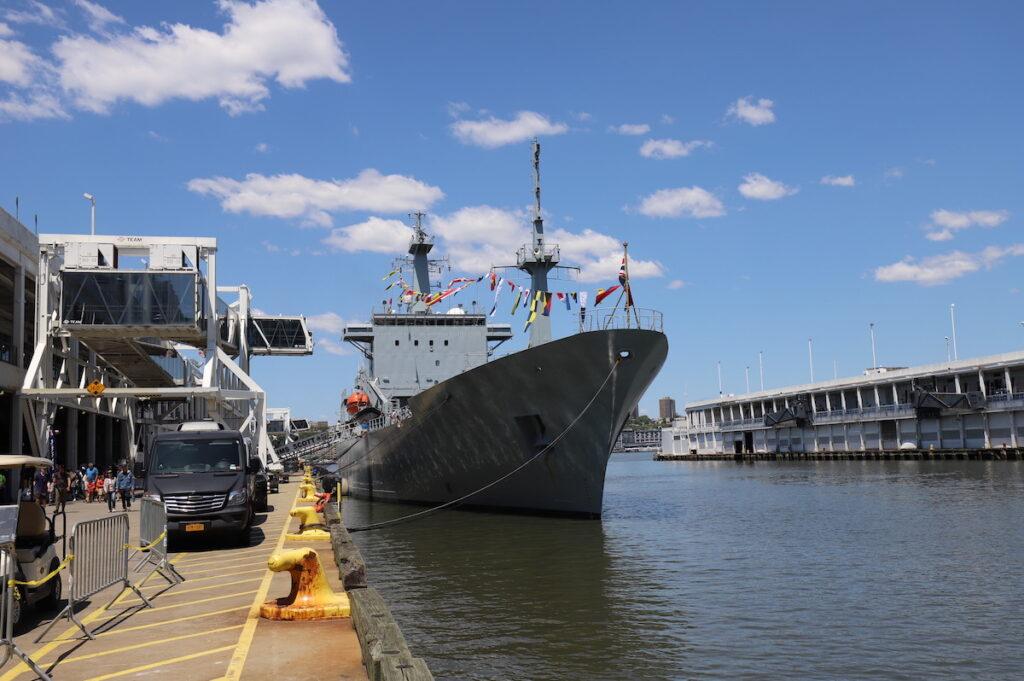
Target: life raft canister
{"points": [[356, 402]]}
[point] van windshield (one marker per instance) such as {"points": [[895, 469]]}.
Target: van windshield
{"points": [[197, 456]]}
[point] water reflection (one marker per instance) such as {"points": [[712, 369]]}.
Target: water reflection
{"points": [[502, 596]]}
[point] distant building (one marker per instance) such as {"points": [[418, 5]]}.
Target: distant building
{"points": [[968, 404], [666, 409], [634, 413], [631, 440]]}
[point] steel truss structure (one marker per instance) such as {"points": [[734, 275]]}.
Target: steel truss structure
{"points": [[115, 317]]}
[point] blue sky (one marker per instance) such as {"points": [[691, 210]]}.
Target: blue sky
{"points": [[292, 132]]}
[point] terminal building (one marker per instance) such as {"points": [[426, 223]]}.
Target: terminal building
{"points": [[967, 406]]}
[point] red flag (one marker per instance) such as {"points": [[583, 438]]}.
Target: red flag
{"points": [[622, 271], [547, 304], [494, 281], [603, 293]]}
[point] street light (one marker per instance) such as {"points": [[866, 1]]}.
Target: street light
{"points": [[952, 321], [949, 357], [874, 356], [92, 212]]}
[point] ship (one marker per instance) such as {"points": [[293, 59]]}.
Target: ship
{"points": [[438, 417]]}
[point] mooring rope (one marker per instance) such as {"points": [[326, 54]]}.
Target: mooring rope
{"points": [[448, 504]]}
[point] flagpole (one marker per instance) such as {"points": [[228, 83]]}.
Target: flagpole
{"points": [[629, 288]]}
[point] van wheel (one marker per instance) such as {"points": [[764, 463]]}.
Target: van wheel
{"points": [[52, 599], [17, 603]]}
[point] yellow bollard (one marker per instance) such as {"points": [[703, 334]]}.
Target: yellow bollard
{"points": [[310, 527], [311, 597], [307, 491]]}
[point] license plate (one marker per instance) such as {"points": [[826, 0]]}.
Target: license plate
{"points": [[195, 527]]}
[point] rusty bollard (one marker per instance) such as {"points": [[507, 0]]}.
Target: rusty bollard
{"points": [[311, 597]]}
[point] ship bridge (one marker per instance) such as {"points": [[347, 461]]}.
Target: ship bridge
{"points": [[136, 327]]}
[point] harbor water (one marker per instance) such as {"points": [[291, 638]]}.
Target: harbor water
{"points": [[721, 570]]}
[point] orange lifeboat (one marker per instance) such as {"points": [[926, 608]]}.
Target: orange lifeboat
{"points": [[356, 402]]}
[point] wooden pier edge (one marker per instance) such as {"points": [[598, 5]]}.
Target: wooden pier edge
{"points": [[386, 655]]}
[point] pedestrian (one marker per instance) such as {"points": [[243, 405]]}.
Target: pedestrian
{"points": [[40, 483], [125, 485], [110, 489], [60, 488], [92, 476]]}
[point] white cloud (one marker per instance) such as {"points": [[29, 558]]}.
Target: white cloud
{"points": [[582, 116], [630, 129], [753, 113], [757, 186], [948, 222], [5, 30], [492, 132], [456, 109], [262, 147], [940, 269], [839, 180], [894, 173], [667, 120], [375, 235], [327, 322], [36, 13], [17, 63], [670, 148], [270, 246], [98, 16], [694, 202], [289, 41], [296, 196], [38, 105], [676, 284], [479, 237], [331, 346]]}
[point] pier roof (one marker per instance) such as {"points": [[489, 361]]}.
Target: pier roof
{"points": [[869, 379]]}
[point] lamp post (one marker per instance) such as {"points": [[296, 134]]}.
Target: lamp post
{"points": [[720, 378], [952, 321], [874, 356], [760, 364], [810, 357], [92, 212], [949, 357]]}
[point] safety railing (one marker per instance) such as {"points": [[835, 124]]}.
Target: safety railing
{"points": [[99, 560], [8, 592], [152, 547], [629, 318]]}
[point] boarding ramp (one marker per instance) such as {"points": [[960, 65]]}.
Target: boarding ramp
{"points": [[321, 447], [279, 336]]}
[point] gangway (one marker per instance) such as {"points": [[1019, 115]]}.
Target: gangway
{"points": [[136, 307]]}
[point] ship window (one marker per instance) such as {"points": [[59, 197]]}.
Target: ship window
{"points": [[446, 343], [437, 362], [396, 342], [431, 343], [416, 342]]}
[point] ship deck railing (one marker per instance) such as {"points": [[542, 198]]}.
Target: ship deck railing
{"points": [[630, 318]]}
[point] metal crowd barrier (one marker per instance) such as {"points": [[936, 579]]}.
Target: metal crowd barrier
{"points": [[153, 542], [8, 569], [100, 550]]}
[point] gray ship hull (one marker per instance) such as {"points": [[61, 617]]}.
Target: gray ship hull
{"points": [[478, 426]]}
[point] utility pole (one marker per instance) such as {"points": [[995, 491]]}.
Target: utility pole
{"points": [[760, 364], [810, 357], [92, 212], [874, 356], [952, 321], [720, 391], [746, 373], [949, 357]]}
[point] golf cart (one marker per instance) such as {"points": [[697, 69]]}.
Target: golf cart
{"points": [[35, 544]]}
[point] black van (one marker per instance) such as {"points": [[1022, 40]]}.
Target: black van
{"points": [[206, 479]]}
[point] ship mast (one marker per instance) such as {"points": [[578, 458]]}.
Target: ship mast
{"points": [[419, 247], [538, 259]]}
